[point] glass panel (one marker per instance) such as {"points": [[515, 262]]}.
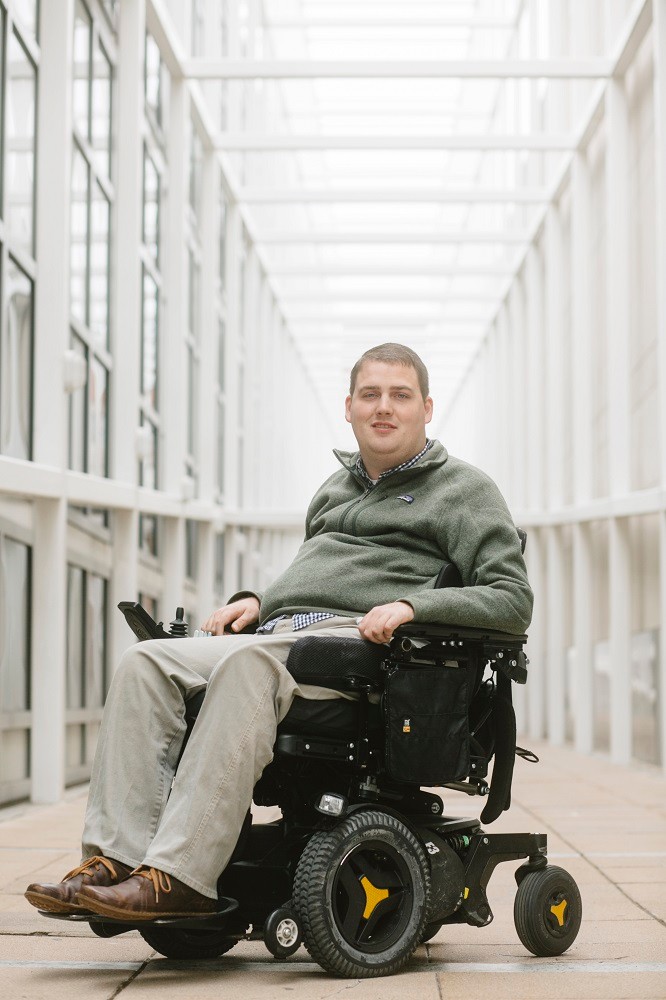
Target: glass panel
{"points": [[74, 678], [223, 242], [101, 109], [220, 449], [153, 78], [79, 236], [97, 417], [16, 365], [219, 564], [20, 138], [148, 533], [196, 157], [148, 466], [26, 11], [81, 80], [95, 641], [151, 206], [100, 212], [221, 356], [193, 295], [645, 696], [150, 342], [191, 399], [191, 535], [14, 628], [77, 416]]}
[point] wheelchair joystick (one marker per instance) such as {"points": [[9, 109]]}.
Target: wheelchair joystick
{"points": [[178, 627]]}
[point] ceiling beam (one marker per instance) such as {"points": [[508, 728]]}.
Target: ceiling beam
{"points": [[324, 269], [249, 143], [434, 319], [274, 196], [378, 295], [471, 236], [393, 69], [411, 21]]}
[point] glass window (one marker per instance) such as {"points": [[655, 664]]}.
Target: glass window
{"points": [[81, 78], [77, 415], [78, 281], [16, 350], [191, 538], [150, 341], [74, 680], [101, 109], [151, 207], [148, 534], [97, 417], [100, 214], [14, 626], [196, 162], [26, 11], [20, 140], [153, 81], [193, 293], [223, 242], [95, 639], [148, 467]]}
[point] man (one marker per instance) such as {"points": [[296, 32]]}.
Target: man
{"points": [[376, 535]]}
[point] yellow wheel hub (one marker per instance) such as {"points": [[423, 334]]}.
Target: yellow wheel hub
{"points": [[373, 896], [558, 912]]}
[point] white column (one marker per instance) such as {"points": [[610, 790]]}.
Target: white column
{"points": [[173, 566], [126, 288], [173, 361], [659, 43], [534, 386], [209, 333], [582, 636], [619, 570], [53, 182], [555, 384], [205, 571], [619, 415], [49, 550], [618, 270], [581, 325], [124, 583], [232, 388], [556, 587], [48, 644], [537, 646]]}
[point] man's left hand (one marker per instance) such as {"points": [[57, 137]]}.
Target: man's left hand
{"points": [[381, 622]]}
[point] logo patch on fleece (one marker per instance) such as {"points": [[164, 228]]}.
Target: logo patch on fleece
{"points": [[407, 498]]}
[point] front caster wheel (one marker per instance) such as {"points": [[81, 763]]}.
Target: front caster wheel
{"points": [[282, 932], [361, 892], [547, 911], [177, 942]]}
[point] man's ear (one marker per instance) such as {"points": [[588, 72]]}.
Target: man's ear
{"points": [[428, 409], [348, 409]]}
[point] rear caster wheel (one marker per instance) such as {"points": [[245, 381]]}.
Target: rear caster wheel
{"points": [[177, 942], [361, 892], [547, 911]]}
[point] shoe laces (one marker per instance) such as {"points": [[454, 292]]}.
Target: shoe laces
{"points": [[89, 867], [159, 879]]}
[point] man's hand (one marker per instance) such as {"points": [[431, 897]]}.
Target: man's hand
{"points": [[233, 617], [381, 622]]}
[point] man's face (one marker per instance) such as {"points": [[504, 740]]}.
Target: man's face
{"points": [[388, 415]]}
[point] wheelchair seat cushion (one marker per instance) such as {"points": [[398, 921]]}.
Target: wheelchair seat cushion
{"points": [[336, 662]]}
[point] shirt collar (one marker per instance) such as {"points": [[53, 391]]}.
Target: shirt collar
{"points": [[360, 467]]}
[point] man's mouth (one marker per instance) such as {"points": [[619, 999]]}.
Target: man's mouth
{"points": [[383, 427]]}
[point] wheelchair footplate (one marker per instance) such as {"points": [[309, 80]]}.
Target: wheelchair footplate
{"points": [[208, 921]]}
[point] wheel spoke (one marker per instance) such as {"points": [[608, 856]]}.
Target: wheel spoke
{"points": [[381, 878], [356, 902], [382, 909]]}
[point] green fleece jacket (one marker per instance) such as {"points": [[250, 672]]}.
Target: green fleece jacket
{"points": [[368, 545]]}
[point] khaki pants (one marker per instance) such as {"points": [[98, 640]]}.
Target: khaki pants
{"points": [[190, 833]]}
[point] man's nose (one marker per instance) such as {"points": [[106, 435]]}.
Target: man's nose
{"points": [[385, 404]]}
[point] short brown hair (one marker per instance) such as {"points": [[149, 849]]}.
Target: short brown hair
{"points": [[393, 354]]}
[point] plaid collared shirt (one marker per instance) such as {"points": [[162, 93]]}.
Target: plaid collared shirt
{"points": [[301, 621]]}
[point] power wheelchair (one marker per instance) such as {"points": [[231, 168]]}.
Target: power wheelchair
{"points": [[364, 865]]}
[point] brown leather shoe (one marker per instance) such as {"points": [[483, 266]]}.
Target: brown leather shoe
{"points": [[147, 894], [60, 897]]}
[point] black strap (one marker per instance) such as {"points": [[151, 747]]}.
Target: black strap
{"points": [[504, 718]]}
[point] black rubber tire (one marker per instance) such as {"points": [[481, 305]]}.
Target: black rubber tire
{"points": [[176, 942], [430, 930], [329, 893], [542, 930]]}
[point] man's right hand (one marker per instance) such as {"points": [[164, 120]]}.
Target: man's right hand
{"points": [[233, 617]]}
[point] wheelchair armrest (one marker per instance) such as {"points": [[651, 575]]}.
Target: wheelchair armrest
{"points": [[504, 650]]}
